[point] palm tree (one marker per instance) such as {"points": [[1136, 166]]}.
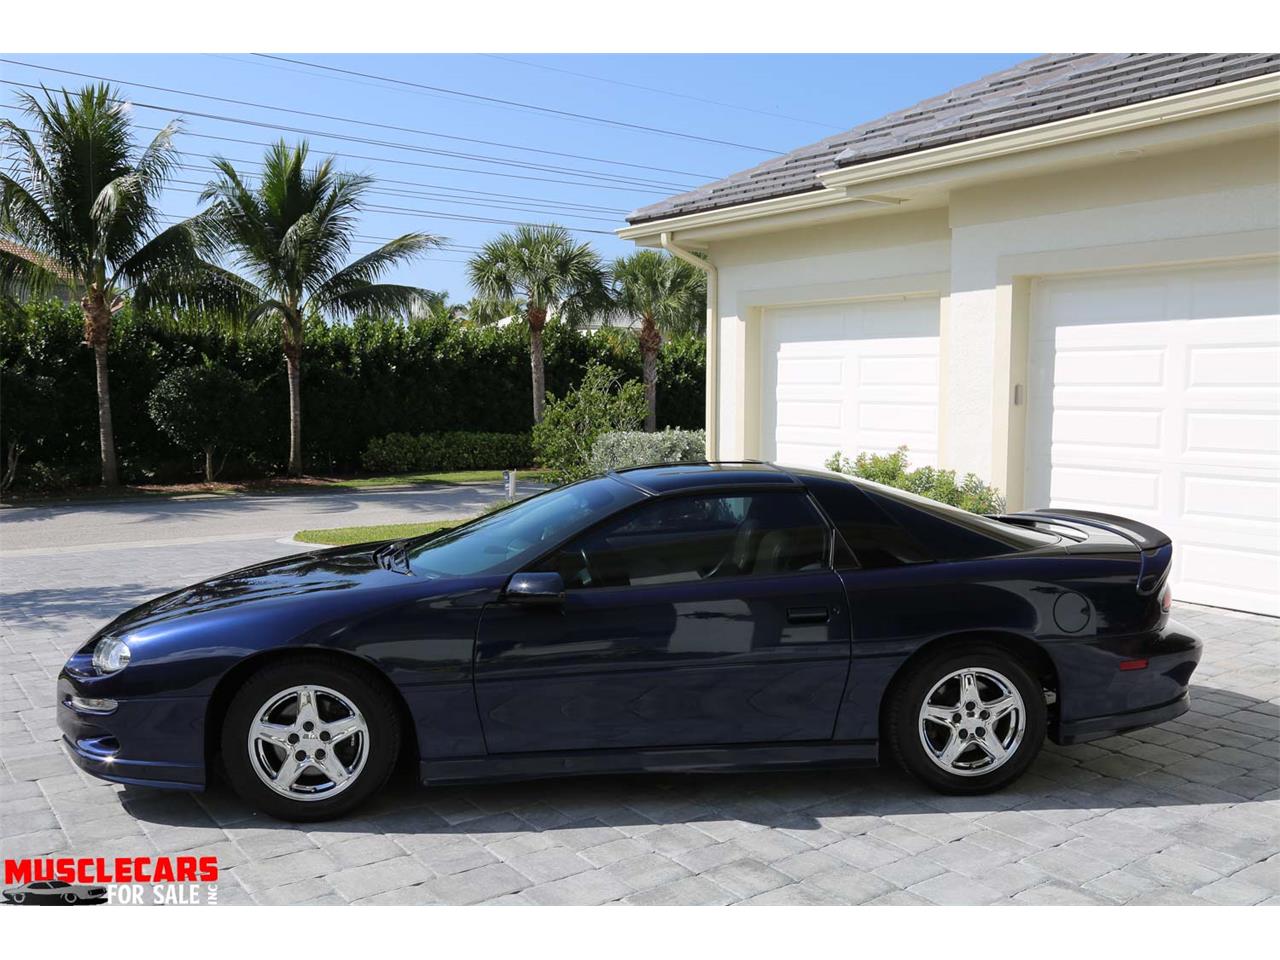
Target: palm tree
{"points": [[538, 269], [291, 235], [665, 296], [78, 215]]}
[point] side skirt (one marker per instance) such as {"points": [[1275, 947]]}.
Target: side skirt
{"points": [[709, 759]]}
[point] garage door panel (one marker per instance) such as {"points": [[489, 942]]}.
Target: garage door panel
{"points": [[1243, 366], [1237, 500], [1110, 428], [1121, 367], [1239, 434], [855, 377], [1157, 395], [1088, 487]]}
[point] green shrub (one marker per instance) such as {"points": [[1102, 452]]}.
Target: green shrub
{"points": [[635, 448], [571, 424], [891, 469], [360, 380], [201, 409], [458, 450]]}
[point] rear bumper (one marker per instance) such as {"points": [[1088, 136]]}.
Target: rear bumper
{"points": [[152, 742], [1097, 699], [1095, 728]]}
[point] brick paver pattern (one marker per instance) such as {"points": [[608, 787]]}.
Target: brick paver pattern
{"points": [[1185, 813]]}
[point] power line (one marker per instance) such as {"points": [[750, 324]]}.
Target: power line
{"points": [[389, 160], [519, 164], [568, 207], [366, 123], [445, 215], [422, 196], [667, 93], [527, 106]]}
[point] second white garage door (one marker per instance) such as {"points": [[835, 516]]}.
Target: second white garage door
{"points": [[1156, 395], [852, 377]]}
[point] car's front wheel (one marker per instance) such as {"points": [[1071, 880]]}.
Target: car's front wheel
{"points": [[309, 739], [968, 721]]}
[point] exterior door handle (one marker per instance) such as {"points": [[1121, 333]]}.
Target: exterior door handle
{"points": [[808, 615]]}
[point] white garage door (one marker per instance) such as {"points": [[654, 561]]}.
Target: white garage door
{"points": [[1156, 395], [851, 377]]}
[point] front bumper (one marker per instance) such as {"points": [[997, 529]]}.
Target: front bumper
{"points": [[150, 741], [1097, 699]]}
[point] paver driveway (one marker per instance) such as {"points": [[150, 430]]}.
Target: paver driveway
{"points": [[1185, 813]]}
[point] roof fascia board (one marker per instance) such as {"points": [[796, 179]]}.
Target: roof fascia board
{"points": [[840, 184]]}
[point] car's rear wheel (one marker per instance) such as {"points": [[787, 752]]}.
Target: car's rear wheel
{"points": [[968, 720], [69, 898], [310, 739], [18, 897]]}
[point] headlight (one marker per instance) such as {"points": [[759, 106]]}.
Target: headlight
{"points": [[111, 655]]}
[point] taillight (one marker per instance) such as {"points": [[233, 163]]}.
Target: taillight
{"points": [[1166, 599]]}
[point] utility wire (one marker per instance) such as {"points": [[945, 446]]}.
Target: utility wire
{"points": [[518, 164], [526, 106], [365, 123], [665, 93]]}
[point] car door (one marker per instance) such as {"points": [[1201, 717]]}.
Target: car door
{"points": [[712, 618]]}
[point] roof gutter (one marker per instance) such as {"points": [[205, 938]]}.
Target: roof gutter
{"points": [[713, 340], [863, 183]]}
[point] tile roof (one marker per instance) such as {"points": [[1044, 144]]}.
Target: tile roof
{"points": [[1034, 92]]}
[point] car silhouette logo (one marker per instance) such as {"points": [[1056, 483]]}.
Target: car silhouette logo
{"points": [[54, 893]]}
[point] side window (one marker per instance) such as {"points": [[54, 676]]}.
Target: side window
{"points": [[686, 539], [875, 538]]}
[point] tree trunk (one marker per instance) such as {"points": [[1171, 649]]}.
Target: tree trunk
{"points": [[650, 343], [537, 320], [208, 465], [97, 334], [294, 364]]}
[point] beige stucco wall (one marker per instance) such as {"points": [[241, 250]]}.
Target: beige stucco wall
{"points": [[977, 252]]}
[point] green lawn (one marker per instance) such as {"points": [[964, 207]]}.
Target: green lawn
{"points": [[343, 536], [271, 485], [458, 476]]}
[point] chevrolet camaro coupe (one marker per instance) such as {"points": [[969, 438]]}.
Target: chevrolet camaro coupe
{"points": [[708, 616]]}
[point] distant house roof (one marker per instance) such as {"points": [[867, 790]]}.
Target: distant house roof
{"points": [[1034, 92], [18, 250]]}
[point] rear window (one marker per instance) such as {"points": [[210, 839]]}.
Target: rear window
{"points": [[884, 526]]}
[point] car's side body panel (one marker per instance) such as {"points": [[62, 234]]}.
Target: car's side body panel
{"points": [[727, 661]]}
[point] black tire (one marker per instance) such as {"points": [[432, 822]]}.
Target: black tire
{"points": [[357, 684], [909, 696]]}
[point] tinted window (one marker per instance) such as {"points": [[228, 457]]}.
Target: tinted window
{"points": [[685, 539], [949, 533], [884, 526], [502, 542], [875, 539]]}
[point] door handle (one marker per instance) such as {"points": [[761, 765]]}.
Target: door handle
{"points": [[808, 615]]}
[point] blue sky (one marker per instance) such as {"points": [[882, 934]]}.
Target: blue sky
{"points": [[757, 102]]}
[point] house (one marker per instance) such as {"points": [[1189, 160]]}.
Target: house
{"points": [[1062, 277]]}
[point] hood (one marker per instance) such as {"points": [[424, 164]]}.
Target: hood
{"points": [[341, 569]]}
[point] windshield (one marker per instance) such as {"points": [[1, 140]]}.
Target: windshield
{"points": [[504, 541]]}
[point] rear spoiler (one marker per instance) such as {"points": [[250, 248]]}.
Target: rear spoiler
{"points": [[1155, 549]]}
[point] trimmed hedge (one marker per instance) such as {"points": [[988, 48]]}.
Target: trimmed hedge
{"points": [[460, 450], [635, 448], [366, 379]]}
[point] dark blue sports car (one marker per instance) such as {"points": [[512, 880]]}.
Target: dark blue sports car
{"points": [[685, 617]]}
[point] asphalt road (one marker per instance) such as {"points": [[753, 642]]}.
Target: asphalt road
{"points": [[145, 522]]}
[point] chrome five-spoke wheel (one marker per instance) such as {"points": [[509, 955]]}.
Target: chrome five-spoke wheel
{"points": [[308, 742], [972, 721]]}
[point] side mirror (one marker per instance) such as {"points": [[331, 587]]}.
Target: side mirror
{"points": [[544, 589]]}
